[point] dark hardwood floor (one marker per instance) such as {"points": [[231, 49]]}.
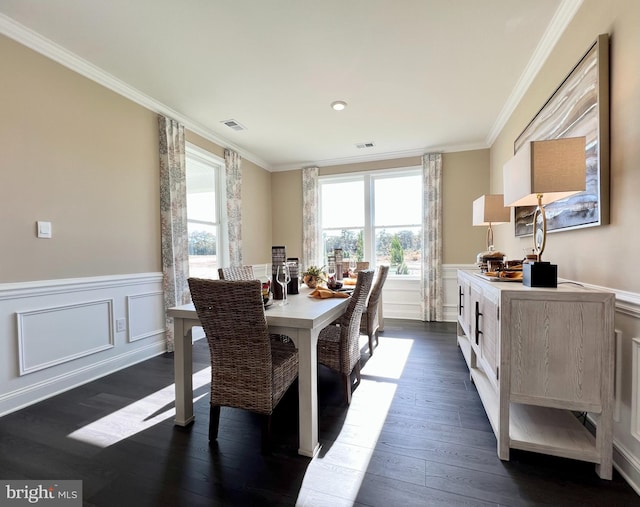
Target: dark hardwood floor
{"points": [[415, 435]]}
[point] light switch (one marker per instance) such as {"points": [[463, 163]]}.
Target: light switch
{"points": [[44, 229]]}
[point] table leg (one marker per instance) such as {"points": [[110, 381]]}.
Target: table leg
{"points": [[307, 341], [183, 372]]}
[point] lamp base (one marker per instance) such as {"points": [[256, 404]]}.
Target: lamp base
{"points": [[540, 274]]}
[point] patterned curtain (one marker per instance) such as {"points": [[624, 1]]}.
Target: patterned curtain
{"points": [[431, 289], [173, 218], [310, 219], [233, 176]]}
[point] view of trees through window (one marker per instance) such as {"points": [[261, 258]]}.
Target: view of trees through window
{"points": [[350, 240], [379, 222]]}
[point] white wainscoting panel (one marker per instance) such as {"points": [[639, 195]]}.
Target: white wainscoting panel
{"points": [[146, 315], [635, 389], [59, 334], [401, 297], [617, 381], [55, 335]]}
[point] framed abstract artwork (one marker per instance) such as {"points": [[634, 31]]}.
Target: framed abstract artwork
{"points": [[579, 107]]}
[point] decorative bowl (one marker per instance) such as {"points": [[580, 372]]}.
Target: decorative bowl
{"points": [[311, 281]]}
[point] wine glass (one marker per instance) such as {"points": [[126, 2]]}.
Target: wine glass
{"points": [[283, 277], [352, 266], [331, 275]]}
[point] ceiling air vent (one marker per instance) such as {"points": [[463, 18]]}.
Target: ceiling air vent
{"points": [[361, 146], [233, 124]]}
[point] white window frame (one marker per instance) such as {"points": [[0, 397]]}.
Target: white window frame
{"points": [[368, 178]]}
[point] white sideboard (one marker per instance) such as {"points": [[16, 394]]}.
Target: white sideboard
{"points": [[537, 357]]}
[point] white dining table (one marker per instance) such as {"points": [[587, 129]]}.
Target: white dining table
{"points": [[302, 319]]}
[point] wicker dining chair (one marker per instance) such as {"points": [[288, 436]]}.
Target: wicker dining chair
{"points": [[246, 371], [370, 323], [339, 343], [236, 273]]}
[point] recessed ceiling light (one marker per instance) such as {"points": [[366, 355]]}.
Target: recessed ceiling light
{"points": [[338, 105]]}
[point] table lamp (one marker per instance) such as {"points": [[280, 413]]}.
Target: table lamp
{"points": [[489, 210], [542, 172]]}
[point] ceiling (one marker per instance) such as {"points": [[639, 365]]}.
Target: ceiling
{"points": [[417, 75]]}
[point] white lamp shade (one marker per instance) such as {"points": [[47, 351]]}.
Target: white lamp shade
{"points": [[554, 169], [490, 209]]}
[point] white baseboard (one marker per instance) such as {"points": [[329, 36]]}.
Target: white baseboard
{"points": [[627, 465], [623, 461], [33, 393]]}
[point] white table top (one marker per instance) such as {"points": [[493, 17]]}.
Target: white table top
{"points": [[301, 312]]}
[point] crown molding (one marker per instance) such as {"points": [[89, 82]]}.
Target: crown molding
{"points": [[378, 157], [31, 39], [57, 53], [561, 19]]}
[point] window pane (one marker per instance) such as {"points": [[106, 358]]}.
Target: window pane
{"points": [[201, 207], [400, 247], [202, 250], [350, 240], [342, 204], [398, 201], [201, 192]]}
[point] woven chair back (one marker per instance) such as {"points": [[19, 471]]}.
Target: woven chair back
{"points": [[232, 315], [236, 273], [350, 322], [361, 266], [376, 288]]}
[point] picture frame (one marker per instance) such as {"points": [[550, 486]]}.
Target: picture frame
{"points": [[578, 107]]}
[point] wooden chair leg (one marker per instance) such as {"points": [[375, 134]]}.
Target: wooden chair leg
{"points": [[370, 344], [214, 422], [266, 434], [346, 383]]}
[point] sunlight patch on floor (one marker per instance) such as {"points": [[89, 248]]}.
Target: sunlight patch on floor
{"points": [[342, 463], [389, 358], [137, 416]]}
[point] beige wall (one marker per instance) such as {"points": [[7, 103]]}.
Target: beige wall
{"points": [[70, 145], [286, 194], [256, 204], [605, 255], [465, 177], [371, 166], [257, 220], [205, 144], [82, 157], [86, 159]]}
